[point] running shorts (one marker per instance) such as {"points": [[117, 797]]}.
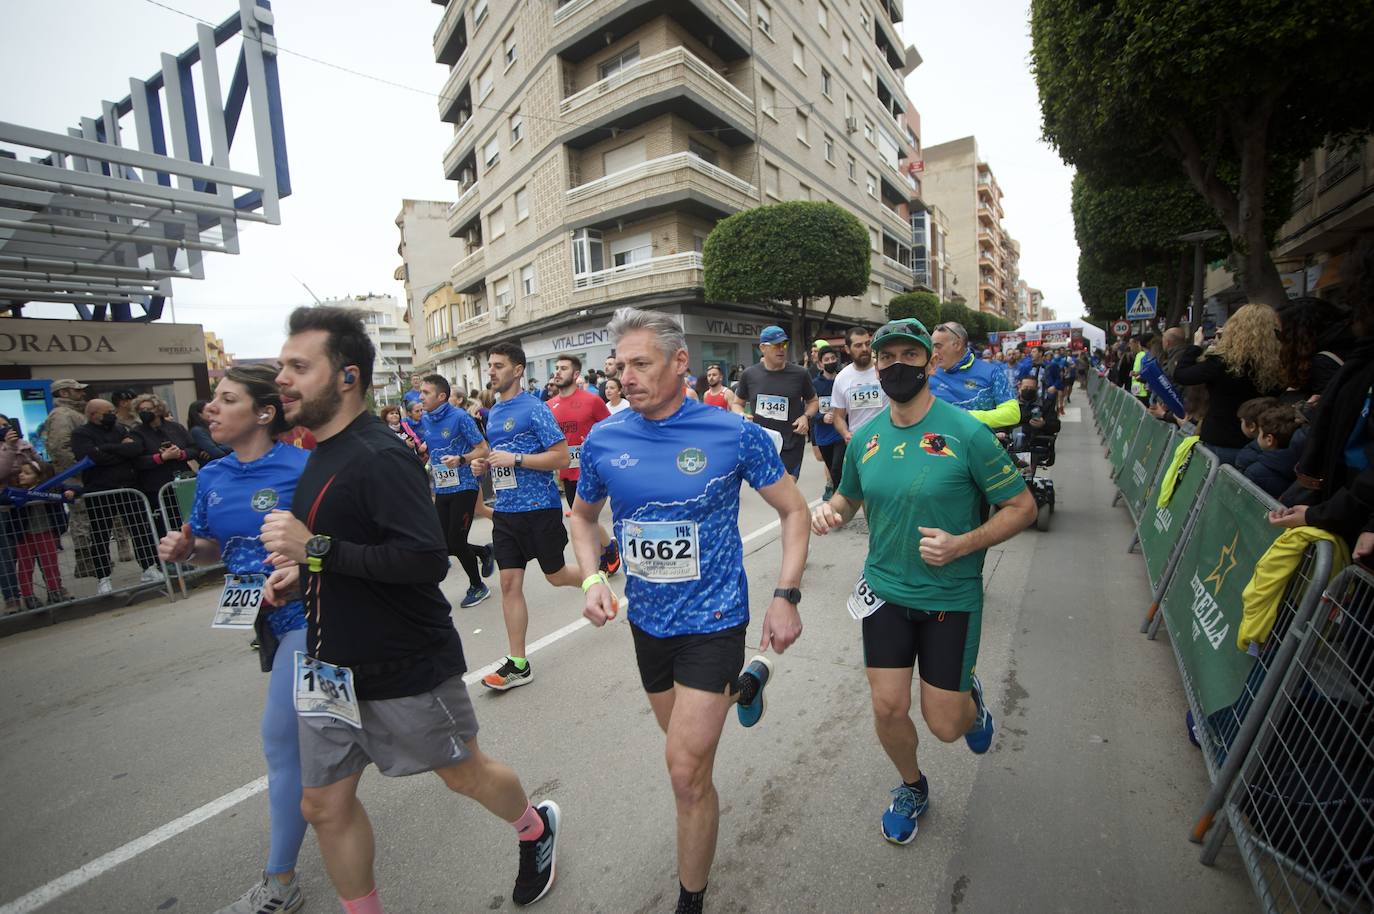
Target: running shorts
{"points": [[709, 662], [944, 643], [519, 536]]}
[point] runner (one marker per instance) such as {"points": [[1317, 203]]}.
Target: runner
{"points": [[576, 411], [233, 494], [672, 470], [717, 394], [527, 521], [961, 379], [381, 679], [778, 396], [452, 442], [857, 396], [828, 443], [921, 471]]}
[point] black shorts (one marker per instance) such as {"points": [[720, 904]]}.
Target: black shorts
{"points": [[569, 490], [833, 455], [710, 662], [518, 536], [946, 644]]}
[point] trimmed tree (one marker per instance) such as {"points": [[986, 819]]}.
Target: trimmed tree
{"points": [[791, 252], [924, 306], [1233, 98]]}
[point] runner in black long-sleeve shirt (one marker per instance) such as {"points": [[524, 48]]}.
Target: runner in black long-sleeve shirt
{"points": [[382, 680]]}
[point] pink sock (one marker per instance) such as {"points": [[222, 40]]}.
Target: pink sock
{"points": [[528, 827], [368, 904]]}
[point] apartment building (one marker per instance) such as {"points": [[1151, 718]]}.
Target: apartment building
{"points": [[597, 142], [930, 252], [1333, 205], [385, 321], [427, 254], [216, 357]]}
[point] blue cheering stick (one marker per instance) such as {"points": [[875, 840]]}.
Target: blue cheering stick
{"points": [[50, 490]]}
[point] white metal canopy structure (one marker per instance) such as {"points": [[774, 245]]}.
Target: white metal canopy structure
{"points": [[87, 220]]}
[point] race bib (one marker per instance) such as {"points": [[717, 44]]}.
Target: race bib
{"points": [[574, 456], [775, 437], [239, 601], [662, 551], [325, 690], [867, 395], [503, 478], [825, 405], [769, 406], [863, 602], [445, 477]]}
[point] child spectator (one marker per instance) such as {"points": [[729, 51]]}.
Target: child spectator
{"points": [[1275, 469], [1249, 414], [39, 525]]}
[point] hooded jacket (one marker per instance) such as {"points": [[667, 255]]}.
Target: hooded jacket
{"points": [[1344, 502]]}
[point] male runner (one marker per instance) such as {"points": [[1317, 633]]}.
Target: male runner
{"points": [[452, 441], [717, 394], [827, 441], [381, 679], [576, 412], [961, 379], [527, 520], [921, 470], [778, 396], [672, 469], [857, 396]]}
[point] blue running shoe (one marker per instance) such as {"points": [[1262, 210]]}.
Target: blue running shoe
{"points": [[751, 703], [979, 736], [474, 596], [908, 803], [488, 560]]}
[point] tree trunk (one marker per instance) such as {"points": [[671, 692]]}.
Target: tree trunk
{"points": [[797, 333], [1259, 277]]}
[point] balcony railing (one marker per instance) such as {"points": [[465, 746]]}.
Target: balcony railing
{"points": [[567, 9], [661, 166], [647, 67], [460, 211], [895, 264], [454, 146], [670, 263], [469, 268], [898, 221], [450, 22], [472, 322]]}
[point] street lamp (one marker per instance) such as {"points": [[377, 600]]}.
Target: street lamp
{"points": [[1199, 240]]}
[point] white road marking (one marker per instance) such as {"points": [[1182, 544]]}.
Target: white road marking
{"points": [[51, 891], [1072, 414]]}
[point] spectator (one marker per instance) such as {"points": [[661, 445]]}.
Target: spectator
{"points": [[413, 395], [114, 450], [615, 402], [206, 449], [1175, 343], [1139, 346], [1241, 365], [1316, 341], [1249, 414], [1194, 409], [14, 451], [1276, 468], [124, 407], [1038, 415], [414, 411], [168, 449], [38, 526], [391, 415], [66, 417]]}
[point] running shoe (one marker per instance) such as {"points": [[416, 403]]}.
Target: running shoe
{"points": [[104, 586], [488, 560], [509, 676], [751, 703], [268, 897], [474, 596], [908, 804], [539, 858], [610, 558], [979, 736]]}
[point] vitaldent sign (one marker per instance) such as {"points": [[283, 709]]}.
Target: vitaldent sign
{"points": [[26, 341]]}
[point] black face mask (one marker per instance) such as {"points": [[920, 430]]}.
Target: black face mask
{"points": [[830, 367], [902, 382], [1027, 396], [146, 416], [107, 420]]}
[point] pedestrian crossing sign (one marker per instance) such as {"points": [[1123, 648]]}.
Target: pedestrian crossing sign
{"points": [[1140, 303]]}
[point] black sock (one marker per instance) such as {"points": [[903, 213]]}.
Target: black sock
{"points": [[747, 687], [689, 902], [918, 784]]}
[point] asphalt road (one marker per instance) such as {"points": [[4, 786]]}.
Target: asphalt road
{"points": [[118, 725]]}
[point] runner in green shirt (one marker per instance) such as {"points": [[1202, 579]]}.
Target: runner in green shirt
{"points": [[920, 470]]}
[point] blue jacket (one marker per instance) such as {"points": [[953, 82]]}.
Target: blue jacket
{"points": [[1274, 471]]}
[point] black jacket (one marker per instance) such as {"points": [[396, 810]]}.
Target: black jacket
{"points": [[1048, 411], [114, 458], [1226, 391], [1344, 502], [1273, 471], [154, 473]]}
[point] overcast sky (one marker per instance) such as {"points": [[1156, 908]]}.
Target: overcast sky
{"points": [[357, 147]]}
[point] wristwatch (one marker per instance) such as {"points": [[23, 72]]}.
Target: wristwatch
{"points": [[519, 460], [316, 548], [462, 459], [790, 594]]}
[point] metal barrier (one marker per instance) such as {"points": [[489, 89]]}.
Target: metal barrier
{"points": [[1164, 538], [175, 500], [1301, 806], [1144, 462]]}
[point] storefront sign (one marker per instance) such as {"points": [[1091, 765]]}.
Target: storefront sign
{"points": [[29, 341]]}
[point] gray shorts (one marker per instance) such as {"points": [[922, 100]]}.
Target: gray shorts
{"points": [[401, 736]]}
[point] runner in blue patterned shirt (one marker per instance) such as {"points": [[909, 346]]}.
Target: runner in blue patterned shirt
{"points": [[527, 451], [672, 469], [977, 386]]}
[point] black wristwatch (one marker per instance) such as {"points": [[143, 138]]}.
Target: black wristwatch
{"points": [[790, 594], [316, 548]]}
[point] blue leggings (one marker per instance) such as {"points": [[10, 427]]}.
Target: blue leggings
{"points": [[281, 744]]}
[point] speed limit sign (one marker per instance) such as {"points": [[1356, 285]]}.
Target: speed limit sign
{"points": [[1121, 328]]}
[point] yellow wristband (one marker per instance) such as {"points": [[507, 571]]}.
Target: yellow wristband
{"points": [[598, 578]]}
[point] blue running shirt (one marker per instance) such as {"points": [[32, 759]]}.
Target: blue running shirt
{"points": [[674, 490], [524, 424], [232, 498], [450, 432]]}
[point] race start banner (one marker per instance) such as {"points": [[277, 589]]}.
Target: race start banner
{"points": [[1203, 603]]}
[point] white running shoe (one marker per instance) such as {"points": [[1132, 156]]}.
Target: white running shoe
{"points": [[104, 586], [153, 575], [268, 897]]}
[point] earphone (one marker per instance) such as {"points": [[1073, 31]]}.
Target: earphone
{"points": [[263, 415], [349, 378]]}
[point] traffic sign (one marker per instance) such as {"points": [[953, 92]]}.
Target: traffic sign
{"points": [[1121, 328], [1140, 303]]}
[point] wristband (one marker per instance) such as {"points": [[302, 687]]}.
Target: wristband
{"points": [[593, 579], [157, 459]]}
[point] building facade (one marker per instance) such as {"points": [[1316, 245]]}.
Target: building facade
{"points": [[216, 358], [385, 321], [427, 254], [1333, 205], [930, 252], [597, 142]]}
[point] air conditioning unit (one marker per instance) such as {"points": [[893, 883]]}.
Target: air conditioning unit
{"points": [[851, 125], [503, 312]]}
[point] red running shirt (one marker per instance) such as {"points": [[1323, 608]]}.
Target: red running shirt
{"points": [[576, 414], [711, 399]]}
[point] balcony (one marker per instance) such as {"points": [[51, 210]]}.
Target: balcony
{"points": [[670, 273], [473, 324], [680, 181], [462, 210], [453, 158], [455, 99], [675, 81], [580, 27], [451, 37], [470, 271], [896, 265], [897, 222]]}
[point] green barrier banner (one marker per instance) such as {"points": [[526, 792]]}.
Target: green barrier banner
{"points": [[1160, 528], [1124, 433], [1203, 603], [1141, 466]]}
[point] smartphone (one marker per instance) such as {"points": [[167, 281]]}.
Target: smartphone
{"points": [[14, 424]]}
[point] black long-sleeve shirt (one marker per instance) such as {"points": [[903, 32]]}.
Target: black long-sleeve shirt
{"points": [[113, 457], [376, 607]]}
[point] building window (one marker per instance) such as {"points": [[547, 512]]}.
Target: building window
{"points": [[848, 106], [888, 149], [479, 13], [496, 222], [512, 53], [632, 250], [798, 54], [803, 127], [823, 16], [851, 170], [875, 294], [623, 157], [522, 204], [772, 179], [625, 59], [863, 18], [871, 184], [705, 153], [829, 149], [588, 251], [768, 99], [804, 192], [485, 83], [844, 44], [868, 75], [825, 82], [491, 153], [529, 282], [501, 289], [765, 18], [868, 130], [517, 127]]}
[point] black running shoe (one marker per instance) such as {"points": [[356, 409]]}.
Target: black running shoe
{"points": [[538, 858], [488, 556]]}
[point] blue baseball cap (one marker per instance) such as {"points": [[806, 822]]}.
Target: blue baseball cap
{"points": [[772, 334]]}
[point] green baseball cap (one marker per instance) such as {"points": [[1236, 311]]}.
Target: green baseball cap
{"points": [[908, 328]]}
